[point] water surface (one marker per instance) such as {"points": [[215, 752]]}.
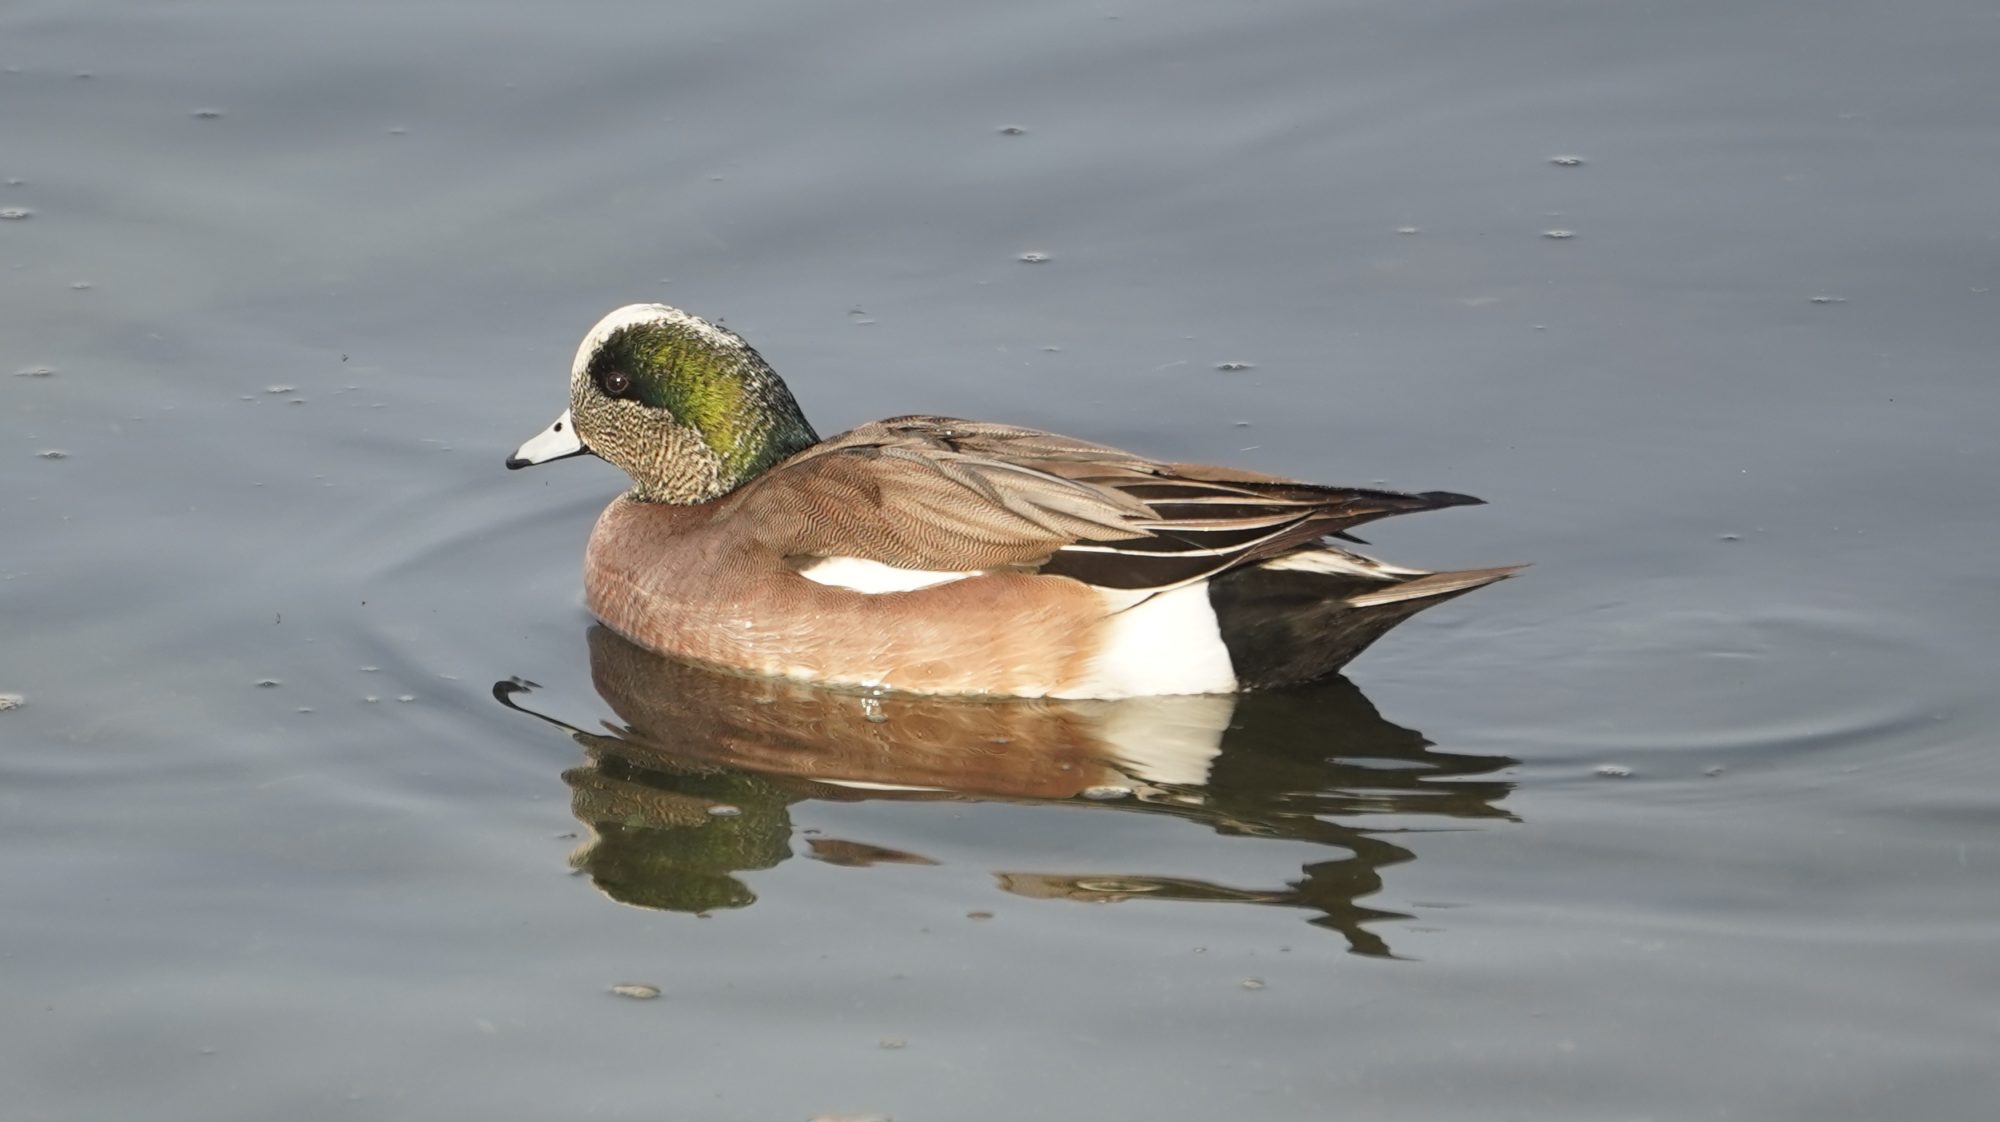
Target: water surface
{"points": [[1698, 818]]}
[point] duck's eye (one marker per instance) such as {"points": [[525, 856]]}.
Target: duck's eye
{"points": [[617, 383]]}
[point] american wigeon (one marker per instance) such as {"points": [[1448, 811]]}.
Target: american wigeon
{"points": [[935, 555]]}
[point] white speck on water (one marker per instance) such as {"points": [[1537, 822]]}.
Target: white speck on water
{"points": [[724, 810], [407, 698], [1559, 235], [82, 286], [371, 699], [637, 991], [1406, 231], [1252, 983], [53, 454], [370, 669], [1033, 258], [1829, 299], [1567, 161], [35, 372], [11, 701], [16, 213], [1232, 366], [1613, 771], [278, 389], [1106, 792]]}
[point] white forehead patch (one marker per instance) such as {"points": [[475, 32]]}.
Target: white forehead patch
{"points": [[632, 315]]}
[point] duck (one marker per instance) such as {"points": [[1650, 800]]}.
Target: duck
{"points": [[936, 555]]}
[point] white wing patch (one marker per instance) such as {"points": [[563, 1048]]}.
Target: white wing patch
{"points": [[859, 574]]}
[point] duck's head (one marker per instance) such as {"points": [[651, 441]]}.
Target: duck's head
{"points": [[686, 408]]}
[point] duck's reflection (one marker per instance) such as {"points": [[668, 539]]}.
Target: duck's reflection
{"points": [[696, 787]]}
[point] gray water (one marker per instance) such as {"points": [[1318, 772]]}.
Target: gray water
{"points": [[1698, 818]]}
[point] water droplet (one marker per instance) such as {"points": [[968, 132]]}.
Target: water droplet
{"points": [[268, 683], [1408, 230], [16, 213], [1829, 299], [53, 454], [1034, 258], [1106, 791], [1559, 235], [1012, 130], [11, 701], [1567, 161], [871, 711], [637, 991], [893, 1043], [724, 810], [1232, 366], [1252, 983], [206, 114], [1614, 771]]}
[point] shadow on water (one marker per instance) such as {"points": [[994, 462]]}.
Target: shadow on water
{"points": [[696, 786]]}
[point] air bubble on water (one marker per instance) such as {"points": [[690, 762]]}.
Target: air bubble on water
{"points": [[15, 213], [1613, 771], [1107, 791], [278, 389], [1034, 258], [1559, 235], [1567, 161], [1252, 983], [12, 701], [871, 711], [637, 991], [35, 372], [53, 454]]}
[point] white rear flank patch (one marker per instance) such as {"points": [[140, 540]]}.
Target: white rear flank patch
{"points": [[1341, 562], [1168, 643], [859, 574]]}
